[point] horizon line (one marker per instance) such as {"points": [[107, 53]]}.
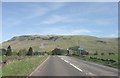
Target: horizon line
{"points": [[54, 35]]}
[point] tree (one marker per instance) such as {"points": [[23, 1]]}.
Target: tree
{"points": [[9, 51], [30, 51], [56, 51]]}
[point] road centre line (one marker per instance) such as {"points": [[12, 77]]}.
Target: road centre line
{"points": [[72, 65], [66, 61], [76, 67]]}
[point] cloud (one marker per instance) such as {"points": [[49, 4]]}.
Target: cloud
{"points": [[108, 36], [113, 35], [38, 10], [67, 31], [81, 31], [49, 18], [54, 19], [100, 22], [29, 12], [11, 22]]}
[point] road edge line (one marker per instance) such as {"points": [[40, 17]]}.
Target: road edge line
{"points": [[39, 66]]}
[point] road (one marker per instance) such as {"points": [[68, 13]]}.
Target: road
{"points": [[69, 66]]}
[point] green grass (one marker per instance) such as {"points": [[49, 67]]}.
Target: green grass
{"points": [[14, 57], [0, 71], [106, 56], [0, 67], [22, 68], [110, 64]]}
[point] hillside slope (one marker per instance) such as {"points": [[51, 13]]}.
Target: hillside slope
{"points": [[90, 43]]}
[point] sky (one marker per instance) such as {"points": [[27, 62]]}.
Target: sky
{"points": [[98, 19], [60, 0]]}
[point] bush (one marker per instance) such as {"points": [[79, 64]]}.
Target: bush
{"points": [[111, 53], [96, 53], [85, 53], [22, 52], [75, 48], [58, 51], [37, 53], [102, 53], [14, 53]]}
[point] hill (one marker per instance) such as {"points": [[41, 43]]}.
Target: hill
{"points": [[89, 43]]}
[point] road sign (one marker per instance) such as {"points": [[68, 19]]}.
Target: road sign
{"points": [[80, 48], [41, 45]]}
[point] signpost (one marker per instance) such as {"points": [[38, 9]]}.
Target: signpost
{"points": [[81, 49], [42, 47]]}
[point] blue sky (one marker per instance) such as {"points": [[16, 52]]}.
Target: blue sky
{"points": [[46, 18], [60, 0]]}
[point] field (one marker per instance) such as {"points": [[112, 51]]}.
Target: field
{"points": [[22, 68], [89, 43]]}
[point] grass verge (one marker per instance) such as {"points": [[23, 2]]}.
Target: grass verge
{"points": [[99, 61], [24, 67]]}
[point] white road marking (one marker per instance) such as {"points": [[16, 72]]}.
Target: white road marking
{"points": [[91, 73], [66, 61], [76, 67], [72, 64], [63, 58]]}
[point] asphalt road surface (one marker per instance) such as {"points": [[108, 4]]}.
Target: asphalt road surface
{"points": [[69, 66]]}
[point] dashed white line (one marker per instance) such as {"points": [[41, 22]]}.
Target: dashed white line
{"points": [[66, 61], [72, 64], [76, 67], [62, 58], [89, 73]]}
